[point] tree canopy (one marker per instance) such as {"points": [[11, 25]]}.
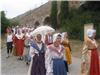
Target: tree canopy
{"points": [[53, 15], [4, 22]]}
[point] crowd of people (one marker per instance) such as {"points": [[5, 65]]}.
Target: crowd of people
{"points": [[52, 54], [16, 40], [38, 57]]}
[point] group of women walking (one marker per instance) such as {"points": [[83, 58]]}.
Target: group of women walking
{"points": [[48, 56], [56, 56], [49, 59], [52, 55], [16, 38]]}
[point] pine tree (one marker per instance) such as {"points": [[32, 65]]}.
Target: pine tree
{"points": [[64, 11], [4, 22], [53, 15]]}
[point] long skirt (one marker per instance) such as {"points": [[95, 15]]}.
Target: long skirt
{"points": [[59, 67], [66, 66], [9, 47], [19, 47], [94, 65], [68, 55], [86, 65], [99, 63], [38, 65]]}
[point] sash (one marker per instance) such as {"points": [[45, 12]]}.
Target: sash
{"points": [[34, 45]]}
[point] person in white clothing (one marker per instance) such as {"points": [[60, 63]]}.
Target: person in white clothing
{"points": [[9, 43]]}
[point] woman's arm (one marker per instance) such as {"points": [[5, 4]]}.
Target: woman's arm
{"points": [[90, 45], [32, 52]]}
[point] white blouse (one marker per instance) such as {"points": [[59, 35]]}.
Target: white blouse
{"points": [[9, 38], [52, 55], [19, 36], [33, 50]]}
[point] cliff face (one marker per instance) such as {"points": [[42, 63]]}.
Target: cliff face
{"points": [[38, 14], [41, 13]]}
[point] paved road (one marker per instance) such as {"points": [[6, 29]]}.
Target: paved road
{"points": [[12, 66]]}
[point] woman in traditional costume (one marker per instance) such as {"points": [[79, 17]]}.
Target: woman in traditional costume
{"points": [[27, 45], [37, 52], [66, 44], [54, 56], [67, 49], [19, 44], [90, 58]]}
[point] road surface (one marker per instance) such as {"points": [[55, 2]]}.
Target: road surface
{"points": [[12, 66]]}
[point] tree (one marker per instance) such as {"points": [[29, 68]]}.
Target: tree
{"points": [[4, 22], [87, 13], [53, 15], [90, 6], [14, 23], [64, 11], [94, 8]]}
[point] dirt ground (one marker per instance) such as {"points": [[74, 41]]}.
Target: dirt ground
{"points": [[76, 47]]}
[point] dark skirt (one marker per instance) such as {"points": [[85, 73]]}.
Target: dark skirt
{"points": [[38, 65], [66, 66], [59, 67], [9, 47]]}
